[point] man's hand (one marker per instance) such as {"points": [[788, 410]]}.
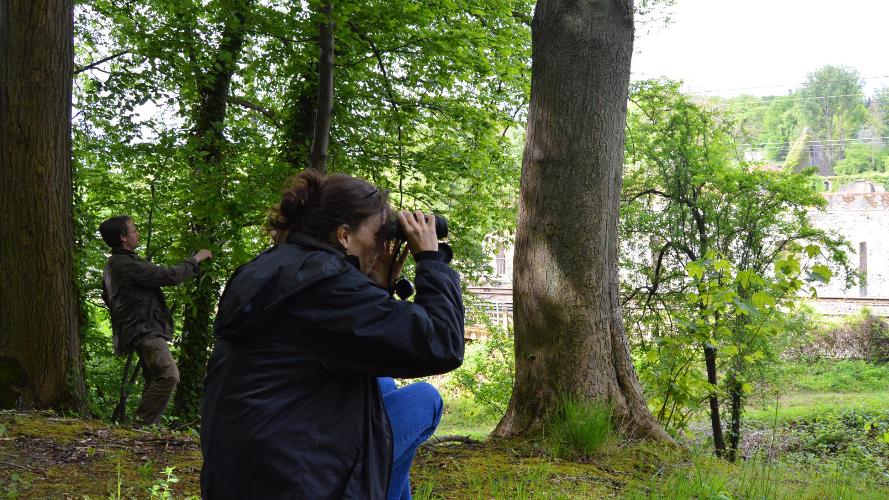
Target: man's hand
{"points": [[202, 255], [419, 229]]}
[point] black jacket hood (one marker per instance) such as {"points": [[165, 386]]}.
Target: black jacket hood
{"points": [[257, 289]]}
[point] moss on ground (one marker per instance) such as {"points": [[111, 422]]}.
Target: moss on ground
{"points": [[45, 456]]}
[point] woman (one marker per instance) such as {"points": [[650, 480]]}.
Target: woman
{"points": [[293, 407]]}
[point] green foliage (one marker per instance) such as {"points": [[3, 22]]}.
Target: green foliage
{"points": [[429, 102], [861, 158], [837, 182], [578, 427], [162, 488], [832, 105], [799, 155], [714, 253], [707, 479], [488, 370], [850, 434]]}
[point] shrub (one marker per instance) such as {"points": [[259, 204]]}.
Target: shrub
{"points": [[578, 427], [488, 370]]}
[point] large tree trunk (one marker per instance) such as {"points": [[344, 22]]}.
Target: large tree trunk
{"points": [[40, 364], [208, 142], [569, 332]]}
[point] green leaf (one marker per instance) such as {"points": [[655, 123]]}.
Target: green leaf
{"points": [[721, 265], [761, 299], [695, 270], [813, 251], [743, 278], [821, 273], [730, 350]]}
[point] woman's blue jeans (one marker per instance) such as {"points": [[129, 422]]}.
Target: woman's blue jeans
{"points": [[414, 411]]}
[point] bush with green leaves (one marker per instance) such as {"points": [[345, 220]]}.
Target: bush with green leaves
{"points": [[860, 158], [488, 370]]}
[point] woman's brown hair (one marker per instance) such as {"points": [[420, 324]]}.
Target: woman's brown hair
{"points": [[317, 204]]}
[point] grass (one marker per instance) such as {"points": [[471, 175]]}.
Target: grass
{"points": [[808, 405], [709, 478], [578, 428], [830, 432], [462, 417], [834, 376]]}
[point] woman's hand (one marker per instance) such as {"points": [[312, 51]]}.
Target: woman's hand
{"points": [[419, 229], [380, 271]]}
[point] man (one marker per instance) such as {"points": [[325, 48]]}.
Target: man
{"points": [[140, 319]]}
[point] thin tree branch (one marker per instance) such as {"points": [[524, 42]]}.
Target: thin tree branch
{"points": [[268, 113], [92, 65]]}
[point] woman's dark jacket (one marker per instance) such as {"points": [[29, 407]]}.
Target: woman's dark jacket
{"points": [[291, 406]]}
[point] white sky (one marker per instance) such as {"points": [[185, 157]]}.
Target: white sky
{"points": [[726, 44]]}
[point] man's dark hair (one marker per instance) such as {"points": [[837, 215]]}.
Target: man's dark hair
{"points": [[112, 229]]}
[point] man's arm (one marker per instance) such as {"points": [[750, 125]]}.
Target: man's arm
{"points": [[148, 274]]}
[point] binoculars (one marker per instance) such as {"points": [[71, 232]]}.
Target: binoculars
{"points": [[394, 231]]}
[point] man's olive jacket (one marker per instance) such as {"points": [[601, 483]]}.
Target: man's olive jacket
{"points": [[131, 290]]}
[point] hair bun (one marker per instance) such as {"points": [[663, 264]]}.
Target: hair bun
{"points": [[307, 188], [299, 198]]}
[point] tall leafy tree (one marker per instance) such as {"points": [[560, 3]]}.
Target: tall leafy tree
{"points": [[208, 185], [832, 105], [40, 364], [715, 253], [569, 333]]}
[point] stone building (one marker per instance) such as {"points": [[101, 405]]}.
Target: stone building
{"points": [[860, 212]]}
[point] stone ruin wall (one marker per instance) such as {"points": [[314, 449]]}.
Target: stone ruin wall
{"points": [[863, 218]]}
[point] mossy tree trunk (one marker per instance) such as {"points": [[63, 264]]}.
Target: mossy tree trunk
{"points": [[40, 363], [208, 141], [569, 334], [325, 89]]}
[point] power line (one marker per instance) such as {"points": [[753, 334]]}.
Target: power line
{"points": [[778, 99], [854, 140], [775, 85]]}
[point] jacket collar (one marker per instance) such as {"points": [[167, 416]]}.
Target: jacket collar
{"points": [[305, 240], [123, 251]]}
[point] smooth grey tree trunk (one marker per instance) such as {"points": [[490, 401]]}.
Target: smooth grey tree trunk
{"points": [[569, 334], [40, 363]]}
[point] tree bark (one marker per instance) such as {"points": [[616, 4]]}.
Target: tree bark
{"points": [[715, 421], [569, 334], [299, 125], [40, 363], [734, 436], [208, 142], [325, 91]]}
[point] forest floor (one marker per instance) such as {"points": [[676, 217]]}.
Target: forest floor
{"points": [[47, 456]]}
